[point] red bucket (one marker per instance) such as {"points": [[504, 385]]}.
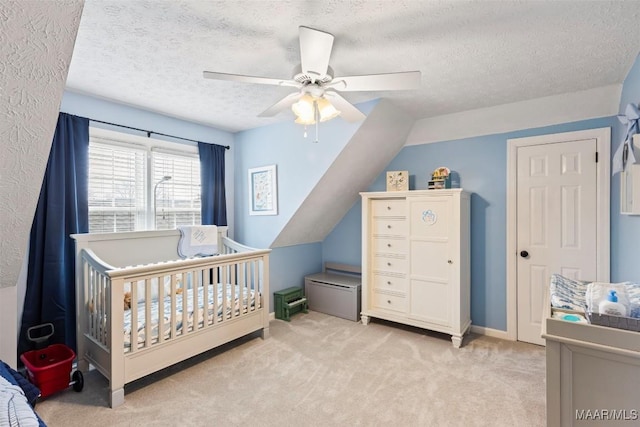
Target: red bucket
{"points": [[49, 368]]}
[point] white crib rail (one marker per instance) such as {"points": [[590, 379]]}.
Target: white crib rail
{"points": [[105, 285]]}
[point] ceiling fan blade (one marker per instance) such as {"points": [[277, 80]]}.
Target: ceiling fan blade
{"points": [[315, 51], [281, 105], [347, 110], [390, 81], [249, 79]]}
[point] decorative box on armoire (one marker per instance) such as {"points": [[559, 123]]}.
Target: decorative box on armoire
{"points": [[415, 259]]}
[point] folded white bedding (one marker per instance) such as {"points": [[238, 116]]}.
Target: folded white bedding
{"points": [[567, 293], [198, 241]]}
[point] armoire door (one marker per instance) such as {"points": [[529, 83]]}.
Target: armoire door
{"points": [[430, 237]]}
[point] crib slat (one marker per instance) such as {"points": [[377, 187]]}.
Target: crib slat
{"points": [[133, 338], [92, 300], [242, 284], [161, 302], [185, 313], [234, 289], [215, 273], [147, 313], [225, 288], [174, 296], [259, 284], [97, 298], [195, 290], [206, 281], [102, 321], [252, 287]]}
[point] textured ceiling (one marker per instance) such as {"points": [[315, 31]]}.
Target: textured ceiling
{"points": [[472, 54]]}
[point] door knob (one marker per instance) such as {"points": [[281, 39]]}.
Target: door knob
{"points": [[524, 254]]}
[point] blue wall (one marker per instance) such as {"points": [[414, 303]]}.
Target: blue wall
{"points": [[288, 266], [344, 243], [625, 229], [480, 165], [300, 165], [100, 109]]}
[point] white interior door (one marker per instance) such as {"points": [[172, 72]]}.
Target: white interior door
{"points": [[556, 214]]}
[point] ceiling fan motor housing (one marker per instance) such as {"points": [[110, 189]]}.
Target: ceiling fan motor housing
{"points": [[309, 78]]}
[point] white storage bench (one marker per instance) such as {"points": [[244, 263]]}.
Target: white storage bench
{"points": [[335, 291]]}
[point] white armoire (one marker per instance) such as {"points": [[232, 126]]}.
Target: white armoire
{"points": [[415, 259]]}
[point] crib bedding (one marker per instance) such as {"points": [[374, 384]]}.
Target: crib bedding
{"points": [[570, 294], [248, 304]]}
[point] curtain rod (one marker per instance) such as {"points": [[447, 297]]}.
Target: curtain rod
{"points": [[150, 132]]}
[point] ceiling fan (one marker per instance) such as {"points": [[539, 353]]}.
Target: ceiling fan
{"points": [[317, 98]]}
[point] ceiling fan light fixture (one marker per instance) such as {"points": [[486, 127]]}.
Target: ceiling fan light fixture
{"points": [[304, 109], [310, 107], [327, 110]]}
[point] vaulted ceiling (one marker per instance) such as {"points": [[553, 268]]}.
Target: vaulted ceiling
{"points": [[472, 54]]}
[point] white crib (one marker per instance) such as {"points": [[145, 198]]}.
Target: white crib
{"points": [[171, 318]]}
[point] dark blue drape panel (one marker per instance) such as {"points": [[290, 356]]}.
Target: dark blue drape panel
{"points": [[214, 201], [62, 210]]}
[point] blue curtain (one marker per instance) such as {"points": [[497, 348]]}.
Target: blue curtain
{"points": [[62, 210], [214, 202]]}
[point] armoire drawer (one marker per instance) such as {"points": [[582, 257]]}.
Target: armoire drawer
{"points": [[390, 302], [390, 245], [389, 207], [390, 227], [395, 265], [390, 283]]}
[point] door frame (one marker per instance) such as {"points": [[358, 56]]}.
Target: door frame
{"points": [[603, 200]]}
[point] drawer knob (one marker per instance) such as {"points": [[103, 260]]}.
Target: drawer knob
{"points": [[388, 282], [389, 264], [450, 262], [388, 208], [389, 226], [388, 301], [388, 245]]}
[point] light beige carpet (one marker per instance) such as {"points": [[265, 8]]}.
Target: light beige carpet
{"points": [[320, 370]]}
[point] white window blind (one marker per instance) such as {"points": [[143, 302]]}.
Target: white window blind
{"points": [[117, 200], [177, 199], [136, 187]]}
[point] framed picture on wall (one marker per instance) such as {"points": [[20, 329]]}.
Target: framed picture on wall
{"points": [[263, 191]]}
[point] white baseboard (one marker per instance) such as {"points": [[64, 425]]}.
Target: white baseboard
{"points": [[272, 316], [495, 333]]}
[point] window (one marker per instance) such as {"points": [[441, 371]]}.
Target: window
{"points": [[141, 184], [177, 198]]}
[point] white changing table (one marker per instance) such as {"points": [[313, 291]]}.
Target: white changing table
{"points": [[590, 368]]}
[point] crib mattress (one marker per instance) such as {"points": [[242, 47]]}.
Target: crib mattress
{"points": [[248, 304]]}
